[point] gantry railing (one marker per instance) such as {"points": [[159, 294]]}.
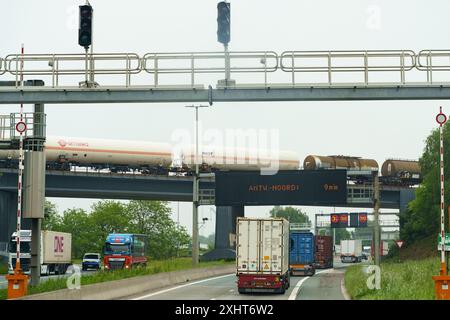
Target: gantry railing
{"points": [[246, 68]]}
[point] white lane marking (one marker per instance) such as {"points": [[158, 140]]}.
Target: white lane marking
{"points": [[181, 286], [294, 292]]}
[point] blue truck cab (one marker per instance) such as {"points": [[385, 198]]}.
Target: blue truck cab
{"points": [[301, 254]]}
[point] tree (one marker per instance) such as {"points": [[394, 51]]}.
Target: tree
{"points": [[291, 214], [52, 220], [422, 217], [76, 222], [153, 218]]}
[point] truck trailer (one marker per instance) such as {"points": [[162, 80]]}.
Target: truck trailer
{"points": [[124, 251], [324, 252], [262, 255], [351, 251], [55, 252], [301, 257]]}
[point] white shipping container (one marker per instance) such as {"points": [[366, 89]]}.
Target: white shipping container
{"points": [[351, 248], [56, 247], [262, 246]]}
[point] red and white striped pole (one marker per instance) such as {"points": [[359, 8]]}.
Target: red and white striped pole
{"points": [[20, 127], [441, 118]]}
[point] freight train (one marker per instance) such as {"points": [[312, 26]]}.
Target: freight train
{"points": [[393, 172], [150, 157], [62, 153]]}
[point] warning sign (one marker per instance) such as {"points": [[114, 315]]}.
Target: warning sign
{"points": [[266, 266]]}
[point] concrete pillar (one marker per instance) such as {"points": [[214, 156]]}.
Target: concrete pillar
{"points": [[34, 187], [225, 236]]}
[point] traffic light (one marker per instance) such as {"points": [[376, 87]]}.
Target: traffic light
{"points": [[85, 27], [334, 220], [343, 220], [362, 220], [223, 22], [354, 220]]}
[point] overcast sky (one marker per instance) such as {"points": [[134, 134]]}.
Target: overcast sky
{"points": [[376, 129]]}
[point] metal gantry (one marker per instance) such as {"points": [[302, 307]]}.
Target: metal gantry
{"points": [[257, 76]]}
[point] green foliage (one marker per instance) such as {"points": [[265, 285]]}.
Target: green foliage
{"points": [[291, 214], [89, 230], [422, 217], [410, 280]]}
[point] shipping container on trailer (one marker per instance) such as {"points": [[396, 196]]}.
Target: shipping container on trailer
{"points": [[351, 250], [262, 255], [302, 249], [55, 249], [324, 252]]}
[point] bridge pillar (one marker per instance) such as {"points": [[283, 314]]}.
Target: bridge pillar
{"points": [[34, 187], [406, 196], [225, 237]]}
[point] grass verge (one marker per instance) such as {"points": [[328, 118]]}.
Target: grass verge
{"points": [[103, 276], [408, 280]]}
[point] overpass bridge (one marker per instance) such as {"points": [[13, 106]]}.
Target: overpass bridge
{"points": [[70, 184]]}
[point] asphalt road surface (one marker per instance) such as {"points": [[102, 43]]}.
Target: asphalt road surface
{"points": [[324, 285]]}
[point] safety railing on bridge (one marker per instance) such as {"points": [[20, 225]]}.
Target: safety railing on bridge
{"points": [[57, 65], [331, 63], [35, 126], [196, 63], [359, 193], [433, 61], [194, 69]]}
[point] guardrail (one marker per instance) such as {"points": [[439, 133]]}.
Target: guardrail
{"points": [[56, 65], [192, 63], [368, 67], [332, 62]]}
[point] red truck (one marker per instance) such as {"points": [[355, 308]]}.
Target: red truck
{"points": [[124, 251], [324, 252]]}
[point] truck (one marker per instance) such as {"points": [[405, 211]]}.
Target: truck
{"points": [[55, 252], [351, 251], [262, 255], [301, 257], [324, 252], [124, 251]]}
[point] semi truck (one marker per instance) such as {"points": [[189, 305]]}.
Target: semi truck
{"points": [[324, 252], [262, 255], [124, 251], [301, 257], [351, 251], [55, 252]]}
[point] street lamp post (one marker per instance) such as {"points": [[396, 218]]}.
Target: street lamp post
{"points": [[195, 191]]}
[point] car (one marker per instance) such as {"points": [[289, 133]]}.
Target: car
{"points": [[91, 261], [365, 255]]}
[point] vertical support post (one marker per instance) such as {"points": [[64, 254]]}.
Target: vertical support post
{"points": [[376, 210], [195, 244], [334, 240], [227, 64], [34, 188]]}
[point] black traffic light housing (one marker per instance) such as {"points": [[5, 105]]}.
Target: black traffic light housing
{"points": [[85, 27], [223, 22]]}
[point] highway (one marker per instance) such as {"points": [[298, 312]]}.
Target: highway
{"points": [[324, 285]]}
